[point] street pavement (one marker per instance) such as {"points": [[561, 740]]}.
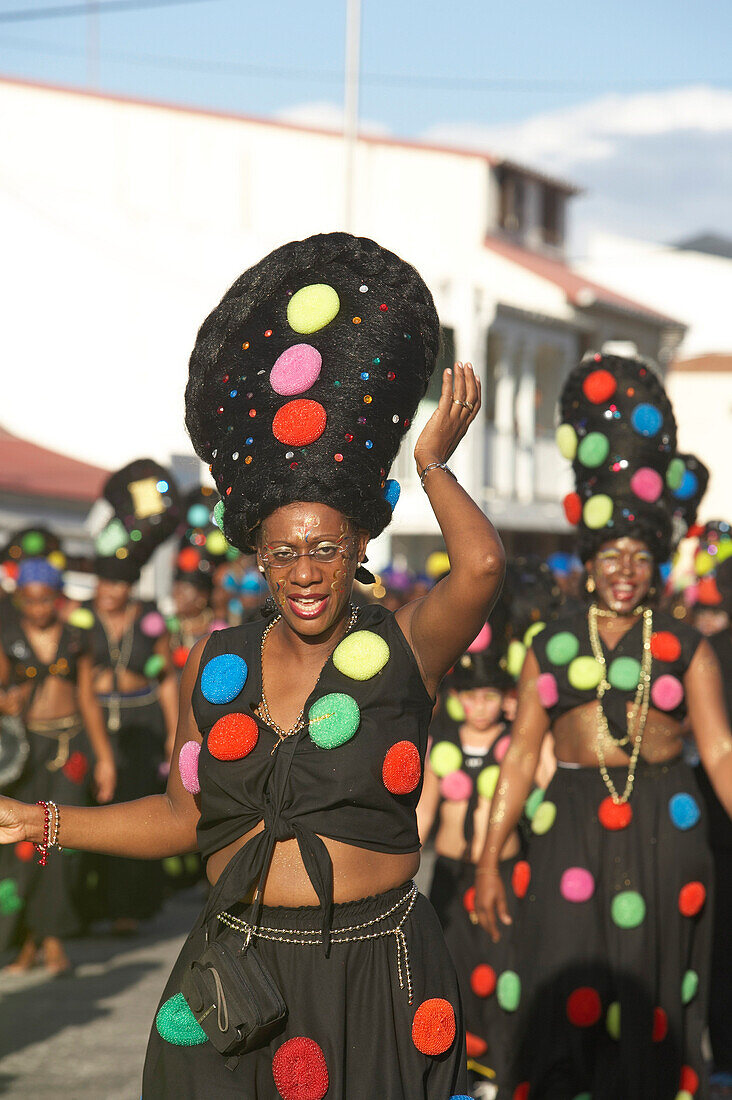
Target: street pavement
{"points": [[83, 1036]]}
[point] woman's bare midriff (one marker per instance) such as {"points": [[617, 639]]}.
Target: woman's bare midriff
{"points": [[55, 699], [450, 839], [575, 739], [357, 872], [128, 682]]}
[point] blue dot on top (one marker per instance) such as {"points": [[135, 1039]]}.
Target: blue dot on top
{"points": [[683, 810], [688, 487], [646, 419], [223, 678]]}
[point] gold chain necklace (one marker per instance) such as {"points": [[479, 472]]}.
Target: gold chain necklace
{"points": [[263, 708], [638, 712]]}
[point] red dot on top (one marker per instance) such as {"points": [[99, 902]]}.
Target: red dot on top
{"points": [[188, 559], [299, 423], [665, 646], [691, 898], [614, 815], [180, 655], [520, 878], [689, 1080], [573, 508], [233, 737], [433, 1027], [598, 386], [402, 768], [583, 1007], [660, 1025], [474, 1045], [299, 1070], [483, 980]]}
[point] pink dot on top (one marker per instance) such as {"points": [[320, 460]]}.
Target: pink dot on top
{"points": [[667, 693], [546, 686], [456, 786], [188, 766], [577, 884], [501, 748], [482, 641], [296, 370], [219, 624], [647, 484], [152, 624]]}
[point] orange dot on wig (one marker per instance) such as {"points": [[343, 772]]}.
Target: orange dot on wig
{"points": [[520, 878], [583, 1006], [433, 1027], [483, 980], [299, 423], [665, 646], [660, 1025], [691, 898], [599, 386], [402, 768], [474, 1045], [233, 737], [573, 508], [614, 815], [188, 559]]}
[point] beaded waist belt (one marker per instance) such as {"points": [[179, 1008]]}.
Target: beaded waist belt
{"points": [[351, 934], [62, 729]]}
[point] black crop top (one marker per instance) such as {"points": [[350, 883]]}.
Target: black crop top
{"points": [[146, 629], [24, 664], [352, 774], [569, 673]]}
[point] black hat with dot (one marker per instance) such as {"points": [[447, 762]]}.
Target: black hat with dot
{"points": [[147, 510], [305, 378], [202, 545]]}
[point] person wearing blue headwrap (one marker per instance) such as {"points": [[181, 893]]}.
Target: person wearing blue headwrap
{"points": [[39, 571]]}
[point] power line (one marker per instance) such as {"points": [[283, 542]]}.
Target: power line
{"points": [[33, 15]]}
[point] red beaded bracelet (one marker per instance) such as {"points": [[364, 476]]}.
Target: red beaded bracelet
{"points": [[42, 848]]}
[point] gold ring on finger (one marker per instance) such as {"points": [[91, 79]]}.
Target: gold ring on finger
{"points": [[469, 405], [473, 918]]}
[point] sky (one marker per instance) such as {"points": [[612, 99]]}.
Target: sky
{"points": [[630, 100]]}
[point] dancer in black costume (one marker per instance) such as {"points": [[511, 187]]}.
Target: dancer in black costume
{"points": [[311, 727], [610, 978]]}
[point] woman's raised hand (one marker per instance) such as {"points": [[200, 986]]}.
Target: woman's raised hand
{"points": [[457, 409]]}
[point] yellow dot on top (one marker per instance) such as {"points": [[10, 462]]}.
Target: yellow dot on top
{"points": [[361, 655], [534, 629], [544, 818], [584, 673], [367, 399], [312, 308], [487, 780]]}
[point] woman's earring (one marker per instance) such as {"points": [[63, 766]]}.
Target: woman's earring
{"points": [[590, 584], [260, 568]]}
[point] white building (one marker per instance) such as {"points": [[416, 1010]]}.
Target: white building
{"points": [[123, 222]]}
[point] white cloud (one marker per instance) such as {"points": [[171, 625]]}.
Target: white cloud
{"points": [[324, 115]]}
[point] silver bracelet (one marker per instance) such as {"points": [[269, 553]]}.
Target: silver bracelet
{"points": [[435, 466]]}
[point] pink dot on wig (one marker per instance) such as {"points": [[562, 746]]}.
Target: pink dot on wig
{"points": [[647, 484], [577, 884], [456, 786], [501, 748], [152, 624], [546, 686], [483, 639], [296, 370], [667, 693], [188, 766]]}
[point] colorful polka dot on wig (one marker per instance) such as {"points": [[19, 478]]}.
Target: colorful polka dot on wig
{"points": [[402, 769], [572, 505], [593, 450], [647, 420], [597, 511], [599, 386], [233, 737], [223, 677], [566, 438], [433, 1027], [300, 1070], [312, 308], [299, 422], [647, 484], [296, 370]]}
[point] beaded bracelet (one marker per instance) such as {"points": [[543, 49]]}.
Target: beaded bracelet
{"points": [[50, 835], [435, 466]]}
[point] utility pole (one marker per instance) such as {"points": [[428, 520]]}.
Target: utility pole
{"points": [[350, 112], [92, 44]]}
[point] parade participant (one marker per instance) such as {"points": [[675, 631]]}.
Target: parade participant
{"points": [[134, 680], [309, 728], [460, 779], [610, 980], [45, 670]]}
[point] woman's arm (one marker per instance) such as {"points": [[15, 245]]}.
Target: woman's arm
{"points": [[168, 695], [150, 828], [442, 625], [428, 803], [105, 773], [710, 721], [514, 784]]}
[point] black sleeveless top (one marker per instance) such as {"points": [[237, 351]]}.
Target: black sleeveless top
{"points": [[569, 673], [352, 774], [146, 629], [24, 664]]}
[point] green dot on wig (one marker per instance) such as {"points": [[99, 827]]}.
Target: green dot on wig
{"points": [[218, 514], [598, 511], [675, 473], [566, 438], [33, 543], [593, 450]]}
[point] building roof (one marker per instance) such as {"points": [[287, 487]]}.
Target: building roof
{"points": [[713, 244], [29, 470], [715, 362], [492, 159], [580, 291]]}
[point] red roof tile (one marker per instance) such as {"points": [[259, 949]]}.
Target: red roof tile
{"points": [[30, 470], [579, 290], [716, 362]]}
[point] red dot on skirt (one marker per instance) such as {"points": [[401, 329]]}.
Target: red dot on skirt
{"points": [[583, 1007], [660, 1025], [689, 1080], [299, 1069], [433, 1027], [469, 899], [474, 1045], [521, 878], [483, 980], [614, 815], [521, 1092], [691, 898]]}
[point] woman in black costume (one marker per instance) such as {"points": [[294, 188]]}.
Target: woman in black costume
{"points": [[610, 977], [310, 727], [46, 675]]}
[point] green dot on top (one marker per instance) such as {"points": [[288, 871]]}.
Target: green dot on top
{"points": [[675, 473], [624, 673], [562, 648], [593, 449], [584, 673], [628, 909], [333, 720], [533, 802]]}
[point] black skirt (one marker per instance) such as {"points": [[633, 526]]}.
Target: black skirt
{"points": [[350, 1004], [612, 941], [42, 900]]}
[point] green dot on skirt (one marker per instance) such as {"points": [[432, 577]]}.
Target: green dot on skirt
{"points": [[628, 909], [612, 1020], [177, 1024], [689, 986], [508, 990]]}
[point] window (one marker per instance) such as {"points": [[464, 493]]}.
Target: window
{"points": [[493, 355], [552, 215], [445, 358], [512, 201], [549, 378]]}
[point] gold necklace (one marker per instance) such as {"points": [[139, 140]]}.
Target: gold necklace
{"points": [[608, 613], [263, 708], [638, 712]]}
